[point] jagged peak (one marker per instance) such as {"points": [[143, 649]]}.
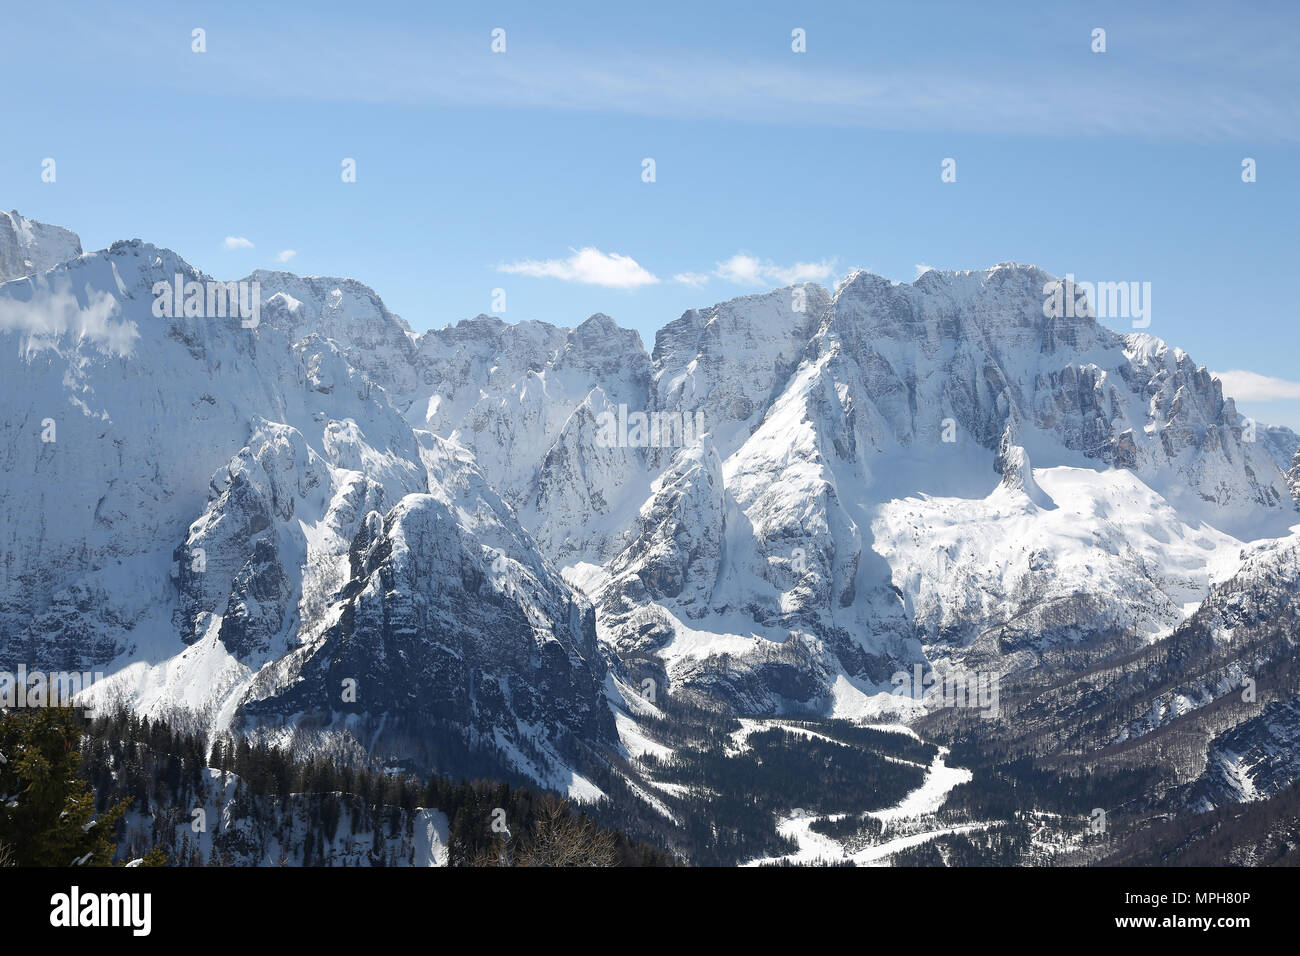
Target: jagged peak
{"points": [[324, 287], [159, 258], [339, 282], [597, 320], [931, 278], [1005, 303], [778, 311], [599, 328], [484, 326]]}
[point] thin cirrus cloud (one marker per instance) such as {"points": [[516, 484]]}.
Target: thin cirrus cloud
{"points": [[1166, 93], [287, 254], [1252, 387], [237, 242], [588, 266]]}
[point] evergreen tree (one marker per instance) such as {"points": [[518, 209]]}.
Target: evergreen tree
{"points": [[47, 809]]}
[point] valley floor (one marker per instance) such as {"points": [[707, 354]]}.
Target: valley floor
{"points": [[916, 810]]}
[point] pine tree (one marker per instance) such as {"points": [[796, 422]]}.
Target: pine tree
{"points": [[47, 809], [155, 857]]}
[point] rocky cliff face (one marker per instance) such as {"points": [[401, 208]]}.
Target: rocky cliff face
{"points": [[450, 635]]}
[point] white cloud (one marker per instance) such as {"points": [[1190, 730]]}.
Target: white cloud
{"points": [[922, 269], [52, 314], [801, 272], [691, 278], [287, 254], [612, 270], [741, 269], [238, 242], [744, 269], [589, 266], [1253, 387]]}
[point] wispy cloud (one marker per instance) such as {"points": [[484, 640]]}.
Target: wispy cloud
{"points": [[1252, 387], [52, 314], [238, 242], [744, 269], [695, 279], [922, 269], [589, 266], [1163, 93], [287, 254]]}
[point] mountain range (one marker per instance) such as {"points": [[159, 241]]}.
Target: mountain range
{"points": [[533, 552]]}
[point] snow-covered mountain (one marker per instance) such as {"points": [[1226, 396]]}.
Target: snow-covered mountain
{"points": [[472, 525], [28, 248], [947, 473], [208, 513]]}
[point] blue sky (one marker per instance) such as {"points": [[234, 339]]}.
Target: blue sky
{"points": [[478, 171]]}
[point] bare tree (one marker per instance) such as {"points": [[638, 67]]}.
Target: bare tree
{"points": [[562, 839], [559, 837]]}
